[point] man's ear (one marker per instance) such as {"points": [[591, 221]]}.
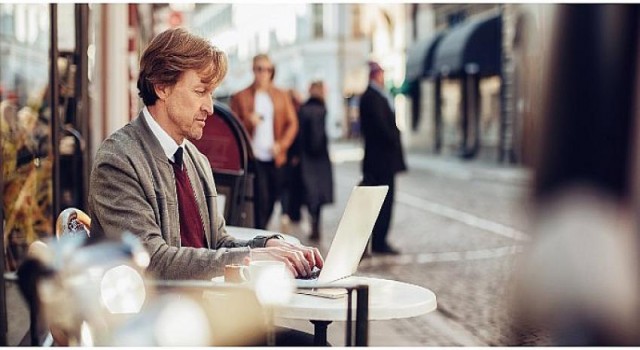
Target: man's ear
{"points": [[162, 91]]}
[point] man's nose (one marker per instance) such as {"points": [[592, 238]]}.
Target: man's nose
{"points": [[207, 106]]}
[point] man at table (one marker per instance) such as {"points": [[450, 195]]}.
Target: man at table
{"points": [[148, 178]]}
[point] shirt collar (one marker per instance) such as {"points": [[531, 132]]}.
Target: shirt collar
{"points": [[168, 144]]}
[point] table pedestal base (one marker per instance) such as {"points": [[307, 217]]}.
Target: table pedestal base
{"points": [[320, 332]]}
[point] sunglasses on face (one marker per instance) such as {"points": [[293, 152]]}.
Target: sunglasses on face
{"points": [[261, 69]]}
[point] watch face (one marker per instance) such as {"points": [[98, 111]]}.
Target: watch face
{"points": [[75, 226]]}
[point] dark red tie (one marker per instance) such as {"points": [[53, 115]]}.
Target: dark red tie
{"points": [[191, 228]]}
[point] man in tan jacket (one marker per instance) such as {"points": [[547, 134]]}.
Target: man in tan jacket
{"points": [[148, 179], [268, 115]]}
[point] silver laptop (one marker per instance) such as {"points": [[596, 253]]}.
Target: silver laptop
{"points": [[351, 238]]}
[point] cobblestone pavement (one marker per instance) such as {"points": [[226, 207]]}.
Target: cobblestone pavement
{"points": [[460, 226]]}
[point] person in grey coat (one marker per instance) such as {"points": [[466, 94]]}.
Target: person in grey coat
{"points": [[317, 174], [148, 179]]}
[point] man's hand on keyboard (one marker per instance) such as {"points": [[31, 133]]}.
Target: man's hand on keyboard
{"points": [[300, 259], [313, 275]]}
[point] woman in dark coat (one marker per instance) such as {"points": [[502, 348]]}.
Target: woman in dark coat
{"points": [[317, 174]]}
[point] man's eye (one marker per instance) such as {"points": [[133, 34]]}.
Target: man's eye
{"points": [[200, 92]]}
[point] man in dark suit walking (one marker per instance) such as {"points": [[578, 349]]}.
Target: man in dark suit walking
{"points": [[383, 156]]}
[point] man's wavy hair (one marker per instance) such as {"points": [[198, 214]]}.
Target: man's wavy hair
{"points": [[173, 52]]}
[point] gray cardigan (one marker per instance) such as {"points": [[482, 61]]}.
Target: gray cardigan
{"points": [[132, 188]]}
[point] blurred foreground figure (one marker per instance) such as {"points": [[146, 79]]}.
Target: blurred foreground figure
{"points": [[579, 279], [94, 292]]}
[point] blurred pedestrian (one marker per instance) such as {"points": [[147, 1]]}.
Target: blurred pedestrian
{"points": [[292, 190], [315, 166], [268, 115], [383, 155]]}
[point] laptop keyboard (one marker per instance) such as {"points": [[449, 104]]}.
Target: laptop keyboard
{"points": [[314, 274]]}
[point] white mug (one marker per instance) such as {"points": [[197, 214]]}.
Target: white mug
{"points": [[271, 270], [272, 282]]}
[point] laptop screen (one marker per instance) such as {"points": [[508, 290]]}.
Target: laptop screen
{"points": [[353, 232]]}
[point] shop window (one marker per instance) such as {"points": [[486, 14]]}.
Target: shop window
{"points": [[318, 20]]}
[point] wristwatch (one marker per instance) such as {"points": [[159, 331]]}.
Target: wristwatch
{"points": [[261, 240]]}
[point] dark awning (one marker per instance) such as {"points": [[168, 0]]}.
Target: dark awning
{"points": [[420, 58], [477, 41]]}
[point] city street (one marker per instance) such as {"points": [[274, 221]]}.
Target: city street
{"points": [[460, 226], [96, 98]]}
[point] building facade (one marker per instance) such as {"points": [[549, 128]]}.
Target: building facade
{"points": [[505, 122]]}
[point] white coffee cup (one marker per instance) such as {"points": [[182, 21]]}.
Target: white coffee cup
{"points": [[271, 280], [270, 269]]}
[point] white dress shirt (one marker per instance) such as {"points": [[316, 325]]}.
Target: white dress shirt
{"points": [[169, 145], [263, 139]]}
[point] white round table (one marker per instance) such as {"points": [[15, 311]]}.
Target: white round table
{"points": [[247, 233], [387, 300]]}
